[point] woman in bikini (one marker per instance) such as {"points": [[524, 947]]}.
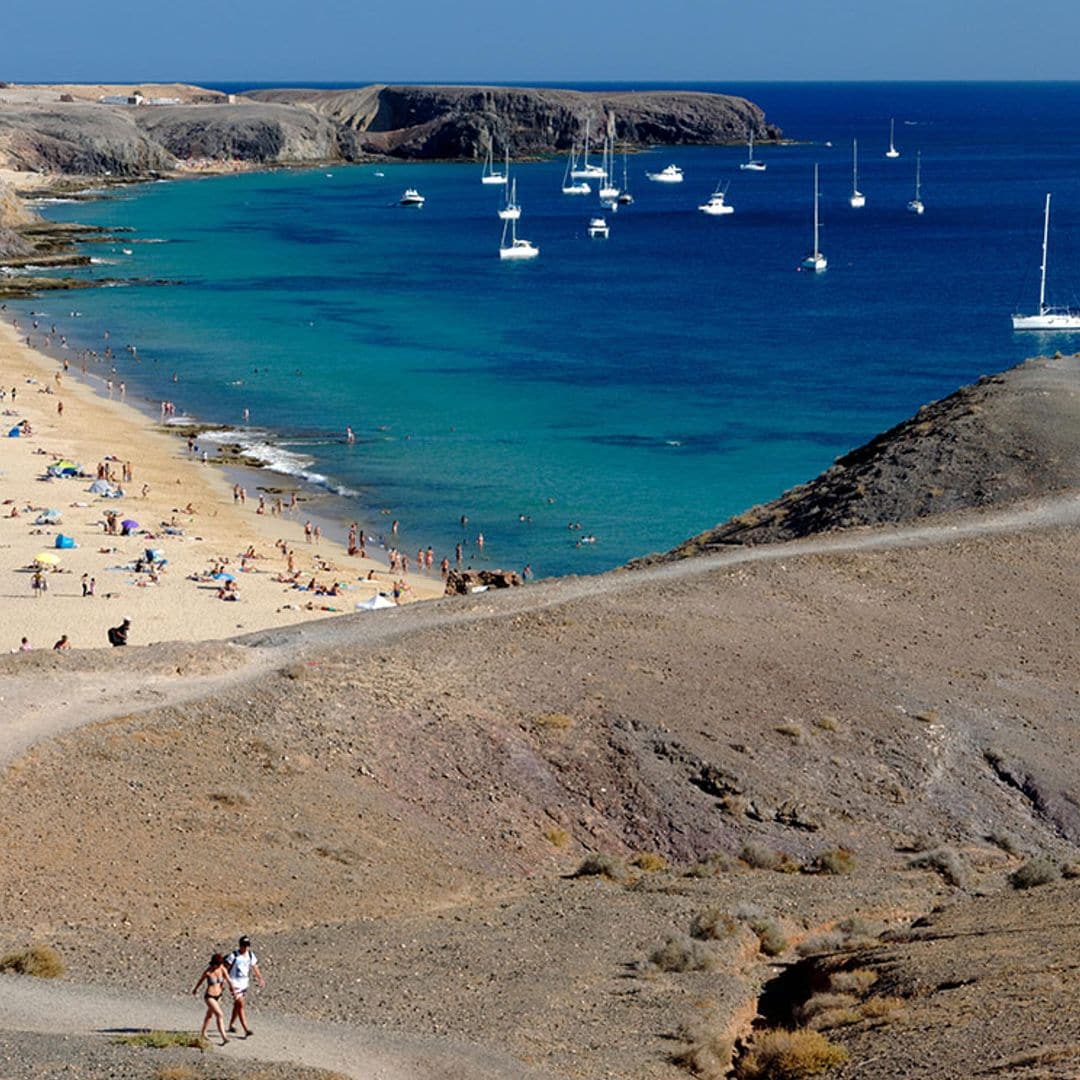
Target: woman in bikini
{"points": [[216, 977]]}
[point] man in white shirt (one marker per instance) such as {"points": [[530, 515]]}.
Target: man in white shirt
{"points": [[242, 964]]}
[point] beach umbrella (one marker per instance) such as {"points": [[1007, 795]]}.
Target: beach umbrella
{"points": [[129, 524], [47, 558]]}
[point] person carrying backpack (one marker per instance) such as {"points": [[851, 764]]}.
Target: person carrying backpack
{"points": [[242, 964]]}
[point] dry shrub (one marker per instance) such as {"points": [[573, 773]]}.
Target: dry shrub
{"points": [[1034, 872], [231, 799], [710, 866], [706, 1052], [761, 857], [789, 1055], [601, 865], [943, 860], [876, 1007], [41, 961], [1070, 870], [163, 1040], [556, 836], [834, 861], [713, 925], [769, 935], [856, 981], [175, 1072], [828, 722], [649, 861], [344, 856], [928, 716], [1006, 841], [827, 942], [820, 1003], [734, 805], [554, 721], [681, 953], [792, 731]]}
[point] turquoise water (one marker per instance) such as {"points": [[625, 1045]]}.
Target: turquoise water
{"points": [[646, 386]]}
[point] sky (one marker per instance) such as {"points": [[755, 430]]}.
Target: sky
{"points": [[572, 41]]}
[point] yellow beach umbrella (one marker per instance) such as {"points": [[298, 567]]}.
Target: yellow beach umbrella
{"points": [[47, 558]]}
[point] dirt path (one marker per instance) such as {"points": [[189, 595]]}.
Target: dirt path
{"points": [[366, 1053]]}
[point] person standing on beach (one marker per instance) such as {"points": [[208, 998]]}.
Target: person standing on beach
{"points": [[216, 977], [242, 964]]}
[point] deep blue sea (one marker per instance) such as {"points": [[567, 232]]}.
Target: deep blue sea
{"points": [[646, 386]]}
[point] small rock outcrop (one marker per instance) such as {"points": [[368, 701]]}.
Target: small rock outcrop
{"points": [[463, 582]]}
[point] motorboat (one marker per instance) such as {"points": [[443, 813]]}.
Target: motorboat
{"points": [[412, 197], [598, 228], [715, 204], [671, 174]]}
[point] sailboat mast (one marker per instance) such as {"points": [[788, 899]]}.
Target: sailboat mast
{"points": [[1046, 238], [854, 165], [918, 174], [815, 212]]}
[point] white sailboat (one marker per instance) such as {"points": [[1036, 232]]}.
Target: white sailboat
{"points": [[750, 165], [570, 186], [892, 151], [715, 204], [510, 210], [587, 171], [491, 175], [1048, 318], [625, 198], [608, 190], [515, 248], [815, 260], [916, 204], [857, 199]]}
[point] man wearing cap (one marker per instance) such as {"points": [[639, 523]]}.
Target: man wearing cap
{"points": [[242, 964]]}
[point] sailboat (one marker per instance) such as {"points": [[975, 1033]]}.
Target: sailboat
{"points": [[892, 151], [515, 249], [916, 204], [815, 260], [858, 199], [625, 197], [587, 171], [491, 175], [1049, 318], [750, 164], [510, 210], [570, 186], [608, 190]]}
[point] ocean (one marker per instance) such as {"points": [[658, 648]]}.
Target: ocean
{"points": [[642, 387]]}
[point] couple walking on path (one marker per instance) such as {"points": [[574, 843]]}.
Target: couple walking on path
{"points": [[235, 972]]}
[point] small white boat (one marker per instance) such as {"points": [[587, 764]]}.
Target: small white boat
{"points": [[587, 171], [491, 175], [608, 191], [510, 210], [512, 247], [1048, 318], [916, 204], [672, 174], [892, 151], [625, 198], [716, 205], [750, 165], [570, 186], [598, 228], [857, 198], [412, 197], [815, 261]]}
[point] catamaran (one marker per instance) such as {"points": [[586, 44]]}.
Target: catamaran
{"points": [[916, 204], [750, 165], [587, 171], [515, 248], [815, 260], [491, 175], [857, 199], [892, 151], [715, 204], [510, 210], [598, 228], [1049, 318]]}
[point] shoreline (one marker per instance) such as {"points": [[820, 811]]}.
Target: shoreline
{"points": [[183, 604]]}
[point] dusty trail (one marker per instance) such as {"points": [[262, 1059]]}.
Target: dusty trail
{"points": [[31, 1005], [43, 699]]}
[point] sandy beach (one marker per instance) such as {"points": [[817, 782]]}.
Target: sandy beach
{"points": [[186, 513]]}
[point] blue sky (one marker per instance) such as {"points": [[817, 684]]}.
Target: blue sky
{"points": [[357, 41]]}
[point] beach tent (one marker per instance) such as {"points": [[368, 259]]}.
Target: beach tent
{"points": [[100, 487], [63, 541], [219, 576], [374, 603], [48, 517], [46, 558], [129, 524], [63, 468], [15, 432]]}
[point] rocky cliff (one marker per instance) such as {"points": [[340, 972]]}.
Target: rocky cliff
{"points": [[461, 121], [40, 133]]}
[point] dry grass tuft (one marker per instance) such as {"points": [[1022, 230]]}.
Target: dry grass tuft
{"points": [[162, 1040], [601, 865], [828, 722], [856, 981], [790, 730], [681, 953], [554, 721], [231, 799], [556, 836], [876, 1007], [789, 1055], [770, 935], [943, 860], [710, 866], [40, 961], [928, 716], [834, 861], [706, 1053], [760, 857], [1006, 841], [175, 1072], [649, 861], [830, 941], [713, 925], [1034, 872]]}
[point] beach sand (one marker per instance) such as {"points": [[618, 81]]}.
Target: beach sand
{"points": [[91, 428]]}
